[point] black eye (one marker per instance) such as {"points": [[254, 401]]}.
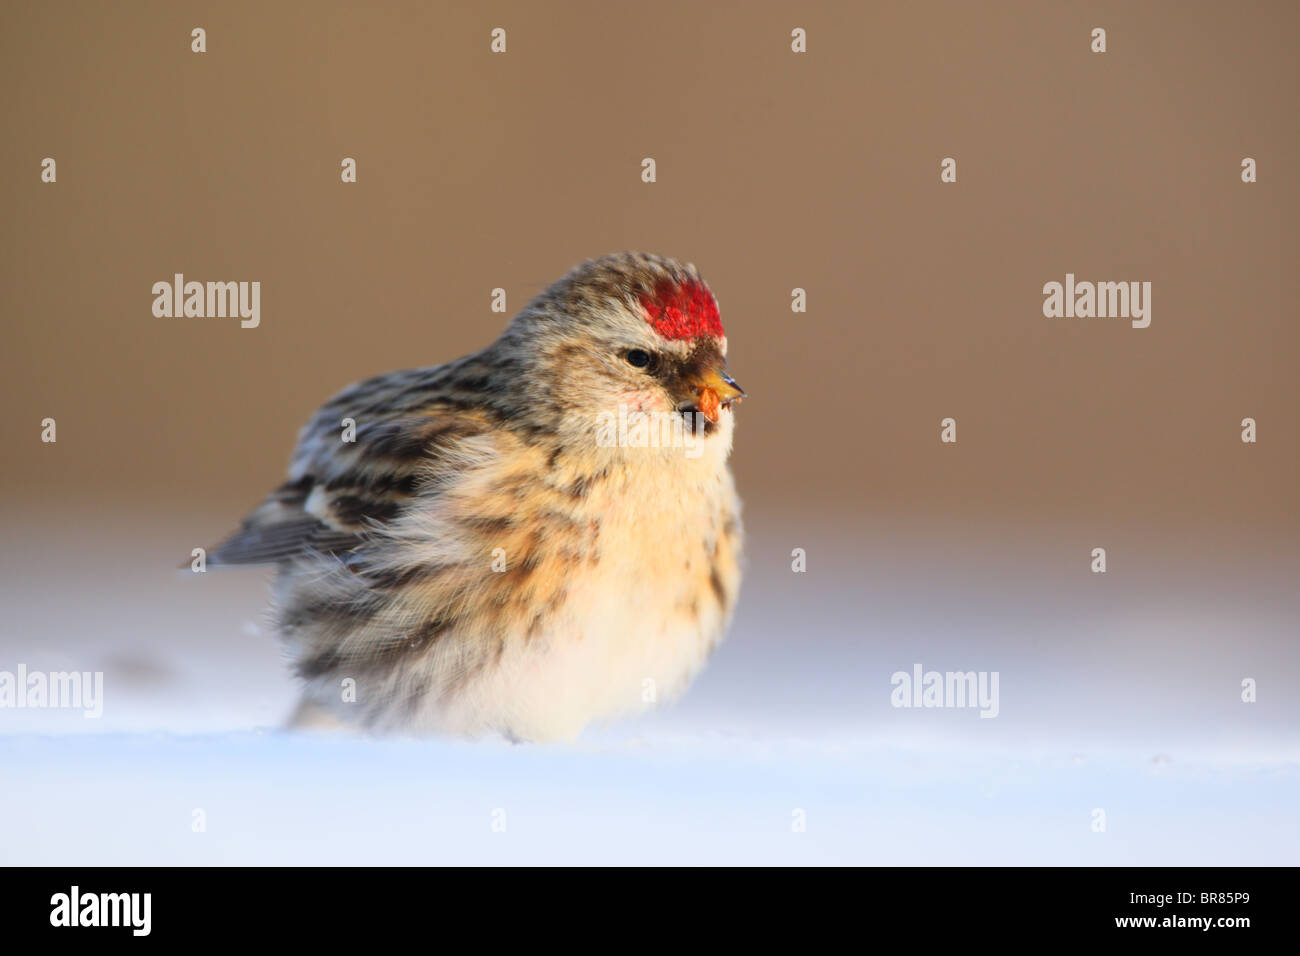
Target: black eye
{"points": [[638, 358]]}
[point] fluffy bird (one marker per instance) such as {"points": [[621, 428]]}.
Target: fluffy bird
{"points": [[516, 542]]}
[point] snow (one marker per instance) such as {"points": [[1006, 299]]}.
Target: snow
{"points": [[276, 798], [1125, 700]]}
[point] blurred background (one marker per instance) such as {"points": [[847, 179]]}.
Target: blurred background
{"points": [[775, 171]]}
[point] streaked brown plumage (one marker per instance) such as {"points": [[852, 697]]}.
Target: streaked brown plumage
{"points": [[476, 560]]}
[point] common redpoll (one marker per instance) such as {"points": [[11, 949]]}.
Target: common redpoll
{"points": [[537, 535]]}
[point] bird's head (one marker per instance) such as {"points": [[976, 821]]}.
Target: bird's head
{"points": [[629, 333]]}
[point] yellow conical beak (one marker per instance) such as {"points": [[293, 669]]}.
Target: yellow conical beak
{"points": [[715, 389]]}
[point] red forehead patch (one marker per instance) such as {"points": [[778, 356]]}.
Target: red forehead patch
{"points": [[682, 310]]}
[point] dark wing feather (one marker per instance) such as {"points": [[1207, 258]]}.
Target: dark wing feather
{"points": [[280, 530], [338, 491]]}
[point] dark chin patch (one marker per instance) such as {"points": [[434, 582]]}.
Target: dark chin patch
{"points": [[697, 424]]}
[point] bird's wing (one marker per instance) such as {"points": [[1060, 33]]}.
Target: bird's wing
{"points": [[359, 464]]}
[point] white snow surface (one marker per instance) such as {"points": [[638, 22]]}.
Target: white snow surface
{"points": [[786, 750]]}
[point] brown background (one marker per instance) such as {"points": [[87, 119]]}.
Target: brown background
{"points": [[775, 170]]}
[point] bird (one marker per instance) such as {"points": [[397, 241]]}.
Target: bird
{"points": [[540, 535]]}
